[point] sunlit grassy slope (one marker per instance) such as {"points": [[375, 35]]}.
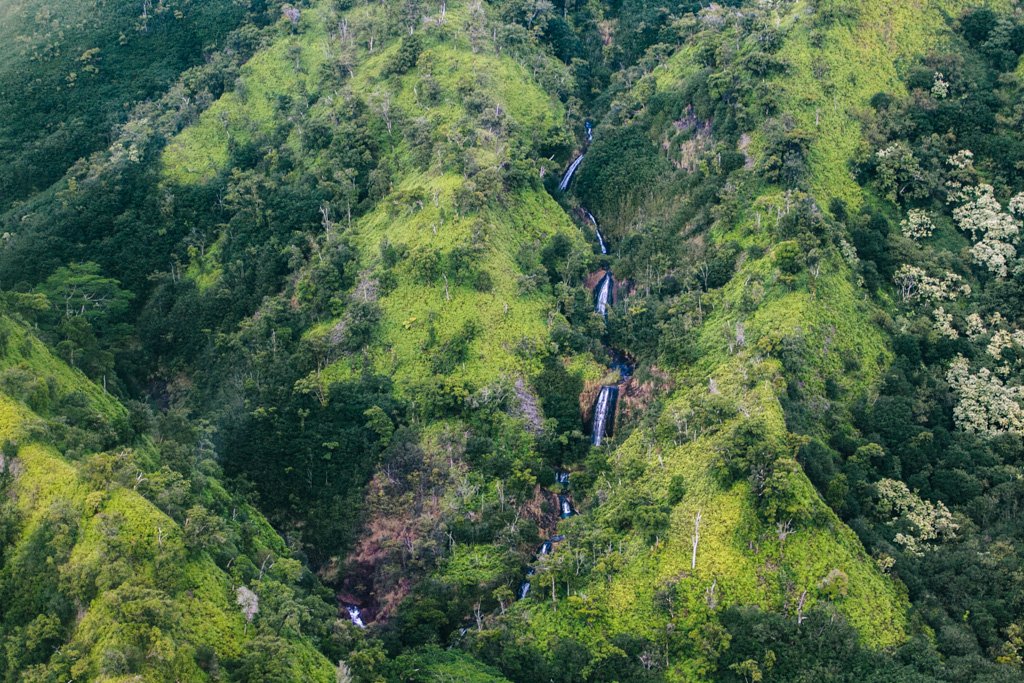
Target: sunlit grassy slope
{"points": [[134, 585], [504, 318], [287, 67], [829, 80], [827, 84]]}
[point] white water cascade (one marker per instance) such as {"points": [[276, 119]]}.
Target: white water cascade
{"points": [[355, 615], [567, 178], [603, 411], [565, 505], [597, 230], [604, 295]]}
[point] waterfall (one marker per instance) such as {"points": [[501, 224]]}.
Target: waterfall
{"points": [[565, 509], [562, 186], [604, 414], [565, 505], [604, 294], [590, 131], [600, 237], [524, 587], [355, 616]]}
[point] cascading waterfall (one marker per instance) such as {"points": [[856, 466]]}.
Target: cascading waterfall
{"points": [[604, 407], [604, 295], [567, 178], [565, 509], [565, 505], [524, 587], [355, 615], [604, 411], [597, 230]]}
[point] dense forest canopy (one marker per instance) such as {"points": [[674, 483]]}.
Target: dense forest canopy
{"points": [[514, 340]]}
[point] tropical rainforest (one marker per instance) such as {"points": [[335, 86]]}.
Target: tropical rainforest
{"points": [[511, 341]]}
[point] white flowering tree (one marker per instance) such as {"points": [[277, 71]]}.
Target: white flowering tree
{"points": [[985, 404], [249, 602], [915, 283], [919, 523], [942, 323], [993, 230], [917, 225]]}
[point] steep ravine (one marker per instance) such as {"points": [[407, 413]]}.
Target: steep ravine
{"points": [[602, 419]]}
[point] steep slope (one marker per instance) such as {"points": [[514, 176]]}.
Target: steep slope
{"points": [[710, 501], [74, 70], [341, 274], [114, 568], [429, 258]]}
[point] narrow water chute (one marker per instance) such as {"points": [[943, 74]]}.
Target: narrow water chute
{"points": [[565, 506], [597, 231], [563, 185], [604, 295], [604, 411]]}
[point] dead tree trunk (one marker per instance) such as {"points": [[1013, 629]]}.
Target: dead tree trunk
{"points": [[696, 539]]}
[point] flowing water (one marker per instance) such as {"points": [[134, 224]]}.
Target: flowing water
{"points": [[355, 615], [604, 294], [597, 231], [567, 178], [604, 410], [565, 509], [604, 414]]}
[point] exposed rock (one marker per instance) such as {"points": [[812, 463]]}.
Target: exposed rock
{"points": [[744, 146], [528, 406]]}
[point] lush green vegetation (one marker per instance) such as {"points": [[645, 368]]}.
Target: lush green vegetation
{"points": [[74, 71], [293, 315], [122, 554]]}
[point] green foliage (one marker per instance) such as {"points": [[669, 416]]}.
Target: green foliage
{"points": [[74, 71], [624, 159], [327, 259], [96, 581]]}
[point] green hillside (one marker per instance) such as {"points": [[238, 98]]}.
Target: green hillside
{"points": [[74, 71], [315, 367], [117, 568]]}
